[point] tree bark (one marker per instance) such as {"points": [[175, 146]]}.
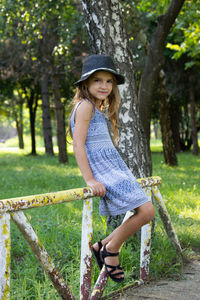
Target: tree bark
{"points": [[59, 107], [195, 149], [46, 116], [60, 120], [165, 124], [32, 105], [154, 62], [18, 116], [19, 127], [107, 35], [175, 120], [46, 53]]}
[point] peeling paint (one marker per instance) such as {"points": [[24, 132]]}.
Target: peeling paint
{"points": [[100, 285], [43, 257], [145, 243], [40, 200], [20, 203], [5, 245], [86, 253]]}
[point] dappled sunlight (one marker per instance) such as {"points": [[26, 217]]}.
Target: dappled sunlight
{"points": [[18, 169], [189, 213]]}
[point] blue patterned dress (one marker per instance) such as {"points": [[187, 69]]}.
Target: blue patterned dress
{"points": [[123, 193]]}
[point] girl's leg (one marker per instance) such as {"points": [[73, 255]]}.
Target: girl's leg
{"points": [[144, 214]]}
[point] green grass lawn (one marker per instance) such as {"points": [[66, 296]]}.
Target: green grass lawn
{"points": [[59, 226]]}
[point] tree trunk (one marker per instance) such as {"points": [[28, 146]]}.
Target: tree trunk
{"points": [[107, 35], [46, 48], [32, 105], [46, 115], [185, 136], [60, 120], [18, 116], [165, 124], [195, 149], [19, 127], [50, 40], [175, 119], [154, 63]]}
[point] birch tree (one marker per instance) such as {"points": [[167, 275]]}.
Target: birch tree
{"points": [[107, 35]]}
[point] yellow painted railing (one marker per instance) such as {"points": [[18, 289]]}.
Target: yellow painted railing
{"points": [[14, 208]]}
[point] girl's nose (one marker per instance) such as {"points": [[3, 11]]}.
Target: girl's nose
{"points": [[105, 85]]}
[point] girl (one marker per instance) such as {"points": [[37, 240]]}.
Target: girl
{"points": [[100, 164]]}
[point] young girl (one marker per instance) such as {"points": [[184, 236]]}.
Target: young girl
{"points": [[100, 164]]}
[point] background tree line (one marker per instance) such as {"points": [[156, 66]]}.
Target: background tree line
{"points": [[154, 43]]}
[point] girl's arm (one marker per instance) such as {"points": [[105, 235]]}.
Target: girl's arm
{"points": [[82, 120]]}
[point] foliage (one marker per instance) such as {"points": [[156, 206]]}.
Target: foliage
{"points": [[186, 35], [25, 175], [22, 26]]}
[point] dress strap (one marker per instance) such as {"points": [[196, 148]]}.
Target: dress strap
{"points": [[75, 109]]}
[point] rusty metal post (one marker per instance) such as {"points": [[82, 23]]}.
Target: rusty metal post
{"points": [[86, 254], [165, 218], [43, 257], [5, 244], [145, 244]]}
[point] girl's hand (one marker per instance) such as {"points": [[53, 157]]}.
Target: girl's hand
{"points": [[97, 187]]}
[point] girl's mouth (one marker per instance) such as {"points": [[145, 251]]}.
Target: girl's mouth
{"points": [[103, 92]]}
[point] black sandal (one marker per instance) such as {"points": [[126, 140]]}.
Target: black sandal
{"points": [[97, 255], [105, 254]]}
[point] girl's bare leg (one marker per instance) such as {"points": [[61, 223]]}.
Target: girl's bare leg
{"points": [[144, 214]]}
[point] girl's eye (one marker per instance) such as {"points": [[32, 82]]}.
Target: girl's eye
{"points": [[109, 81]]}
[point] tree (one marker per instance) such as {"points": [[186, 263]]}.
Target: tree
{"points": [[107, 34], [186, 44], [45, 30], [165, 122], [154, 63], [195, 149]]}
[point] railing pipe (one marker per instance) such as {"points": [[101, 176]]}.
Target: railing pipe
{"points": [[5, 245], [145, 248], [86, 254], [15, 205], [21, 203], [40, 200]]}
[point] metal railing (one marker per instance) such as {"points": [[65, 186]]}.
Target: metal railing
{"points": [[13, 208]]}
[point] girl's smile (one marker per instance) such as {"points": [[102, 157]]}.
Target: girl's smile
{"points": [[100, 85]]}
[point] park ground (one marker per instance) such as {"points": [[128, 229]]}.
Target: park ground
{"points": [[186, 288]]}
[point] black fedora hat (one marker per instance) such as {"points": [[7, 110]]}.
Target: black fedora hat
{"points": [[96, 62]]}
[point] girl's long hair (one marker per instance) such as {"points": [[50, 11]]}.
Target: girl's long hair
{"points": [[109, 105]]}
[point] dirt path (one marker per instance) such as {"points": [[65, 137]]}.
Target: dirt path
{"points": [[187, 288]]}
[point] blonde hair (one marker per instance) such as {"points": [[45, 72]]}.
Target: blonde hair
{"points": [[110, 105]]}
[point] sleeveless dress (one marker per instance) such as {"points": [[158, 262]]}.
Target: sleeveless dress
{"points": [[123, 193]]}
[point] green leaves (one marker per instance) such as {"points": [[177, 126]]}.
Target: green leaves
{"points": [[186, 34]]}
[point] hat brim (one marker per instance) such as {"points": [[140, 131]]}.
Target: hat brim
{"points": [[120, 78]]}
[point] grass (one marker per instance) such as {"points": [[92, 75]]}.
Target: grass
{"points": [[59, 226]]}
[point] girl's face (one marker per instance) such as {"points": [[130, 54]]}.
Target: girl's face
{"points": [[100, 85]]}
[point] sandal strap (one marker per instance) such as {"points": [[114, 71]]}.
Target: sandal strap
{"points": [[113, 269], [106, 253], [100, 245], [115, 274], [118, 267]]}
